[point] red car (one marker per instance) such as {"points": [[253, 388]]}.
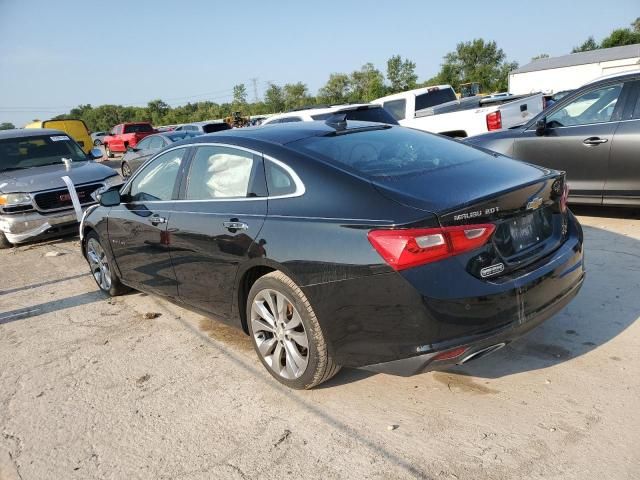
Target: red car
{"points": [[126, 135]]}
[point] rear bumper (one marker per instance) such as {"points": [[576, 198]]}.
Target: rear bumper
{"points": [[476, 346]]}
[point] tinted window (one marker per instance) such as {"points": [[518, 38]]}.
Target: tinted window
{"points": [[25, 152], [378, 114], [389, 152], [138, 127], [595, 106], [290, 119], [434, 97], [156, 143], [144, 143], [220, 172], [396, 108], [279, 182], [157, 179]]}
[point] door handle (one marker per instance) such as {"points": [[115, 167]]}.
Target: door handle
{"points": [[234, 225], [156, 219], [594, 141]]}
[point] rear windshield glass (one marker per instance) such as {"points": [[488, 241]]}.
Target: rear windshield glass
{"points": [[389, 152], [435, 97], [379, 115], [27, 152], [138, 127]]}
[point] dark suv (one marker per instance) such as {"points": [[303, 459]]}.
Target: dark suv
{"points": [[593, 134]]}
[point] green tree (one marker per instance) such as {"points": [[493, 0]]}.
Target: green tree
{"points": [[587, 45], [156, 110], [274, 98], [6, 126], [401, 74], [477, 61], [636, 25], [296, 95], [366, 84], [621, 36], [240, 94], [538, 57], [336, 90]]}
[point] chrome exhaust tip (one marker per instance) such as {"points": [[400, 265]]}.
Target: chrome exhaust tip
{"points": [[482, 353]]}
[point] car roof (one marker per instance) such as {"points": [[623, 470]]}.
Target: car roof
{"points": [[28, 132], [628, 75], [280, 133]]}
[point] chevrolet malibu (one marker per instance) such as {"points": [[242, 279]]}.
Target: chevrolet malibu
{"points": [[343, 243], [35, 202]]}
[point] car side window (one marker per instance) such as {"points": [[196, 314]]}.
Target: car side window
{"points": [[594, 106], [156, 180], [156, 143], [279, 182], [290, 120], [396, 108], [221, 172], [144, 143]]}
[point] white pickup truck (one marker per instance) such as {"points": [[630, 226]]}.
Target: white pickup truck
{"points": [[437, 109]]}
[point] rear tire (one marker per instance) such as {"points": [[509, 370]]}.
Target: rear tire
{"points": [[101, 266], [107, 151], [4, 243], [126, 170], [286, 334]]}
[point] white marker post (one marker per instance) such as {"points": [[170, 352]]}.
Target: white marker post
{"points": [[74, 197]]}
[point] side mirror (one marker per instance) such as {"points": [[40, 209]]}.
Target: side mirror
{"points": [[110, 198], [95, 153], [541, 126]]}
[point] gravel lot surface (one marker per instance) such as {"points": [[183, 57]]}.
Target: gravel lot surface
{"points": [[90, 388]]}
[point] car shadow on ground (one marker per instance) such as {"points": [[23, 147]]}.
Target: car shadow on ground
{"points": [[54, 305]]}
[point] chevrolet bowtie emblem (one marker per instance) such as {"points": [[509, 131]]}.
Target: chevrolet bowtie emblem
{"points": [[534, 204]]}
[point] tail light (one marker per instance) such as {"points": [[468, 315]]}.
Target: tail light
{"points": [[494, 120], [411, 247]]}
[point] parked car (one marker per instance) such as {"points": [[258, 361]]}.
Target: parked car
{"points": [[203, 127], [436, 109], [77, 129], [136, 156], [97, 138], [125, 135], [593, 134], [363, 112], [34, 200], [347, 243]]}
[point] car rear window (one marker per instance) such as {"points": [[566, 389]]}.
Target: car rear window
{"points": [[434, 97], [388, 152], [369, 114], [138, 128]]}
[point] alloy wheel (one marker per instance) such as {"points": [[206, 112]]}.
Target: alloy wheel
{"points": [[126, 170], [279, 334], [99, 264]]}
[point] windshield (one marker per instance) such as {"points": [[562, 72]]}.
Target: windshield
{"points": [[434, 97], [138, 127], [27, 152], [389, 152]]}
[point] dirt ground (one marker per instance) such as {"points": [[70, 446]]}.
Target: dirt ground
{"points": [[89, 388]]}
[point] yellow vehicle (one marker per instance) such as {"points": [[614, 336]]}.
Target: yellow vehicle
{"points": [[77, 129]]}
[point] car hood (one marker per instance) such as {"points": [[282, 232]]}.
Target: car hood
{"points": [[31, 180]]}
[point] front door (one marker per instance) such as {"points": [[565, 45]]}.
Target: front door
{"points": [[577, 140], [138, 227], [216, 225]]}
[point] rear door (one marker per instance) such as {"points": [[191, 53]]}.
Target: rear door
{"points": [[577, 140], [623, 180], [216, 224], [138, 232]]}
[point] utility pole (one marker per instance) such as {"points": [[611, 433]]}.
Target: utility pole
{"points": [[254, 82]]}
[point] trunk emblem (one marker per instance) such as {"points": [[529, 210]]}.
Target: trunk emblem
{"points": [[534, 204], [492, 270]]}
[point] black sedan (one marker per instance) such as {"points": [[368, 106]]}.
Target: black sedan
{"points": [[147, 147], [593, 134], [344, 244]]}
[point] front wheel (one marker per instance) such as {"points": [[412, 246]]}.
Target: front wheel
{"points": [[102, 267], [126, 170], [286, 334]]}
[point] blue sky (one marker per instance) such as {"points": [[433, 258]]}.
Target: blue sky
{"points": [[55, 55]]}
